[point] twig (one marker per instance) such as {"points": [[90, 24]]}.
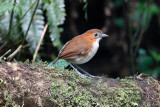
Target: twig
{"points": [[140, 26], [137, 32], [40, 41], [132, 63], [10, 57], [11, 19], [132, 40], [142, 31], [131, 52], [5, 43], [25, 46], [29, 26], [14, 53], [5, 54]]}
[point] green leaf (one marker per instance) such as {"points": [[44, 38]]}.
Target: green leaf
{"points": [[155, 55], [48, 1], [154, 9], [5, 7], [61, 64], [18, 9]]}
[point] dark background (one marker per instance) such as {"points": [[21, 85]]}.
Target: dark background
{"points": [[113, 57]]}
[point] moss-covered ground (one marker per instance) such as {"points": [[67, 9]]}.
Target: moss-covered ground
{"points": [[23, 84]]}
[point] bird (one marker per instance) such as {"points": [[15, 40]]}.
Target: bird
{"points": [[80, 49]]}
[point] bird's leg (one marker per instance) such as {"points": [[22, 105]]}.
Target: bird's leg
{"points": [[84, 76], [85, 72]]}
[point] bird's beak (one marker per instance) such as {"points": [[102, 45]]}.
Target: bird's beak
{"points": [[104, 35]]}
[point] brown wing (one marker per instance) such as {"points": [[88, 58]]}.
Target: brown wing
{"points": [[74, 48]]}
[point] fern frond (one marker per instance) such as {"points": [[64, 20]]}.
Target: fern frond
{"points": [[8, 6], [37, 25], [56, 16], [4, 26]]}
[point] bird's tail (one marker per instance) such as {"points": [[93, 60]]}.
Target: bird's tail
{"points": [[55, 60]]}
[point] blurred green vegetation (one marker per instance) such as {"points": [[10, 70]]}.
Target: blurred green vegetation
{"points": [[140, 14], [148, 62], [53, 9]]}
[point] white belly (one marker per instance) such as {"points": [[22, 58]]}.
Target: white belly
{"points": [[90, 54]]}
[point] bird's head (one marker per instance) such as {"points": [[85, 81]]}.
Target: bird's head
{"points": [[95, 34]]}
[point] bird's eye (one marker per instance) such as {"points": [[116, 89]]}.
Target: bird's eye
{"points": [[95, 34]]}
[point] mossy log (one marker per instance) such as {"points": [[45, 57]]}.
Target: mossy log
{"points": [[39, 85]]}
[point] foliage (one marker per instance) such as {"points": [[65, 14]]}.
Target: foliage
{"points": [[139, 14], [55, 14], [142, 12], [5, 14], [61, 64], [136, 22], [85, 8], [8, 6], [148, 63], [155, 56], [37, 25]]}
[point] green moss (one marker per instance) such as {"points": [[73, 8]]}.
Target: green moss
{"points": [[8, 97], [130, 94], [2, 82], [127, 82], [65, 94], [67, 88], [70, 89], [147, 104], [124, 97]]}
